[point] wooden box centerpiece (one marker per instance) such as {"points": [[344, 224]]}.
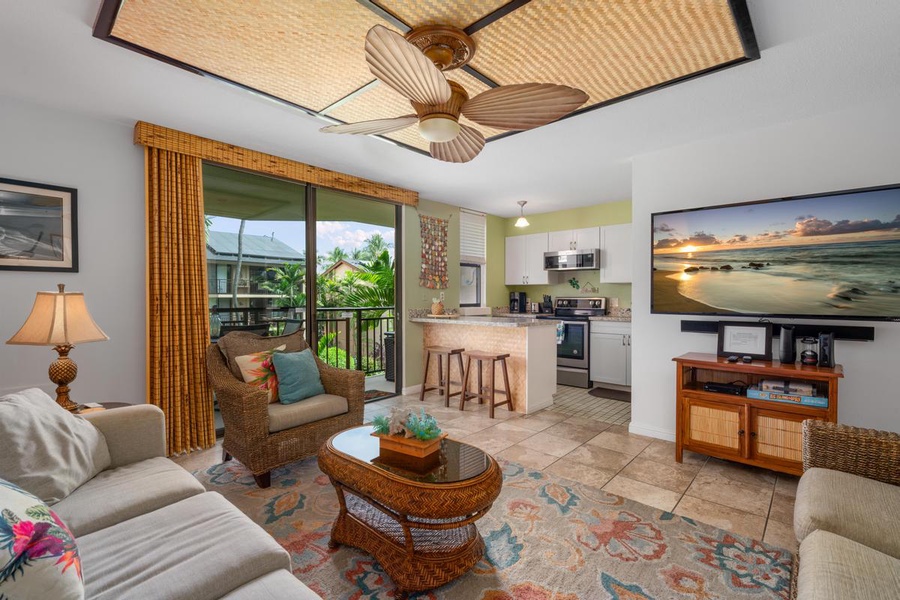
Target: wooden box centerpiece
{"points": [[407, 433]]}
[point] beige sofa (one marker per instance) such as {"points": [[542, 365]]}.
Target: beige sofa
{"points": [[146, 528], [847, 514]]}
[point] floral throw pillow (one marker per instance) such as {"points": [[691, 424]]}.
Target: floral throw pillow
{"points": [[257, 369], [38, 555]]}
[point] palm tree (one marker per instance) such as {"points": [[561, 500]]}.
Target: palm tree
{"points": [[373, 247], [336, 255], [237, 268], [374, 285], [288, 282]]}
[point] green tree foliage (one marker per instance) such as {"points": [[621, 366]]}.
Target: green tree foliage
{"points": [[288, 281]]}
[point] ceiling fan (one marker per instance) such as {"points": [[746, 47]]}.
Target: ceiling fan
{"points": [[413, 67]]}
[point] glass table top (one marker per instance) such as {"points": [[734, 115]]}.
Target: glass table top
{"points": [[454, 462]]}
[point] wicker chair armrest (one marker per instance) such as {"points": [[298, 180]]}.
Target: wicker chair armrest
{"points": [[244, 408], [344, 382], [865, 452]]}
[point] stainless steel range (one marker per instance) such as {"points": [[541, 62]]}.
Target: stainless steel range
{"points": [[573, 346]]}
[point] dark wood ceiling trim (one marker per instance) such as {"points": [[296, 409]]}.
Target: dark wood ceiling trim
{"points": [[386, 15], [157, 136], [741, 15], [480, 76], [497, 14]]}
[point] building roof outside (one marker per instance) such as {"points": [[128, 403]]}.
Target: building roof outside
{"points": [[221, 245]]}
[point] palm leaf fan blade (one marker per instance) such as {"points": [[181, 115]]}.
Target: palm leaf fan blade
{"points": [[463, 148], [373, 127], [403, 67], [523, 106]]}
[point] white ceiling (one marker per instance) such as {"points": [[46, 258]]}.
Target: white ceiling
{"points": [[818, 56]]}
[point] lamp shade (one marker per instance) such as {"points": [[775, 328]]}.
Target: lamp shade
{"points": [[58, 318]]}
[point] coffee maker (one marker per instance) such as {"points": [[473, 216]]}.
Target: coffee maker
{"points": [[517, 302]]}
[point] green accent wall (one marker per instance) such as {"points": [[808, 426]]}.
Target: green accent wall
{"points": [[611, 213], [415, 296]]}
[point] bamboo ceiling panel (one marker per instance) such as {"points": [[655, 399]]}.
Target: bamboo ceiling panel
{"points": [[608, 49], [441, 12], [311, 52]]}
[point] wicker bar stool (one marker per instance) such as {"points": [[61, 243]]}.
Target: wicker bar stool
{"points": [[489, 391], [443, 385]]}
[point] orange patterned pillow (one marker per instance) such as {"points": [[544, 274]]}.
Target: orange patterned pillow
{"points": [[257, 369]]}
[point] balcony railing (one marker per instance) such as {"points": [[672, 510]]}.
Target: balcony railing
{"points": [[349, 337]]}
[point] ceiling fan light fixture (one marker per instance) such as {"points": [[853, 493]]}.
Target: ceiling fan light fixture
{"points": [[522, 221], [439, 129]]}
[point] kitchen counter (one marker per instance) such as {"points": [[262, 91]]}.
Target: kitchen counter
{"points": [[524, 320], [530, 343], [612, 319]]}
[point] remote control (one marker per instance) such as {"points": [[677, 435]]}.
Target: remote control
{"points": [[747, 359], [732, 358]]}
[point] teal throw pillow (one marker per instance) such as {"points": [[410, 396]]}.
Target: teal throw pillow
{"points": [[298, 376]]}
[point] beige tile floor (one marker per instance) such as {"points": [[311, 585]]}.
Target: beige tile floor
{"points": [[590, 450]]}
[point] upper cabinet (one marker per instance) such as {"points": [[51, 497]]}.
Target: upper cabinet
{"points": [[525, 260], [574, 239], [615, 253]]}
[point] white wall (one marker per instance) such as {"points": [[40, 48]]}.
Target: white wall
{"points": [[851, 149], [100, 161]]}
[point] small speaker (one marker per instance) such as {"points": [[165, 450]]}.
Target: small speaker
{"points": [[788, 349], [826, 349]]}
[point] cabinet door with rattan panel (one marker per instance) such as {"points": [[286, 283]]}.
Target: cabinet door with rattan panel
{"points": [[777, 437], [713, 428]]}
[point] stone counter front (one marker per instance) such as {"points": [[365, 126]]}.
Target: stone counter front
{"points": [[531, 364]]}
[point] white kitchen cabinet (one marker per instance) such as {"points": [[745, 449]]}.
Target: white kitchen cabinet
{"points": [[615, 253], [610, 352], [574, 239], [525, 260]]}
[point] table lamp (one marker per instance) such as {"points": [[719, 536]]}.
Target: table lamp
{"points": [[59, 319]]}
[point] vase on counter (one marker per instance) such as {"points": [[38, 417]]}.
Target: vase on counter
{"points": [[437, 307]]}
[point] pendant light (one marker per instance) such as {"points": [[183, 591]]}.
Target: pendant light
{"points": [[522, 221]]}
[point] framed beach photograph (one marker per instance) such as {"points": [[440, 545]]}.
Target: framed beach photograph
{"points": [[38, 227], [745, 339]]}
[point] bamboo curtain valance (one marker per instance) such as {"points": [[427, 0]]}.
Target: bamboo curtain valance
{"points": [[155, 136]]}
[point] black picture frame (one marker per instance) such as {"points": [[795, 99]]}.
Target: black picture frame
{"points": [[739, 338], [38, 227]]}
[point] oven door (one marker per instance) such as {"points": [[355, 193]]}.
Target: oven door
{"points": [[573, 351]]}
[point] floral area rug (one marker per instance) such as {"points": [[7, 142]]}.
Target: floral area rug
{"points": [[547, 538]]}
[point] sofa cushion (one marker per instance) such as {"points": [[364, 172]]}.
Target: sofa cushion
{"points": [[863, 510], [258, 370], [277, 585], [120, 494], [299, 376], [833, 567], [286, 416], [47, 450], [38, 555], [239, 343], [198, 549]]}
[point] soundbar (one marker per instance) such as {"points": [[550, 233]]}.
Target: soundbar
{"points": [[841, 332]]}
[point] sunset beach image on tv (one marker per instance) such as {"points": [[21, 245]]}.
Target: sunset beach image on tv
{"points": [[835, 256]]}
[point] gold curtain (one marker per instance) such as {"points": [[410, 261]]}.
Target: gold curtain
{"points": [[178, 310]]}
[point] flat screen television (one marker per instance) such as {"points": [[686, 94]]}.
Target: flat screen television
{"points": [[834, 256]]}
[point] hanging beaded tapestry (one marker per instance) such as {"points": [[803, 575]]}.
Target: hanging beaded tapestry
{"points": [[434, 252]]}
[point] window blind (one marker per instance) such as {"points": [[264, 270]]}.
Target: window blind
{"points": [[472, 237]]}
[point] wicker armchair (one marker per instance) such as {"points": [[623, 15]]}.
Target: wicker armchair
{"points": [[245, 408], [868, 453]]}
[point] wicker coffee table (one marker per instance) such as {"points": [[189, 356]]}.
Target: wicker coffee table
{"points": [[416, 520]]}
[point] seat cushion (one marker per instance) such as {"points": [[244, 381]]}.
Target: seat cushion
{"points": [[120, 494], [277, 585], [299, 376], [47, 450], [198, 549], [835, 568], [860, 509], [38, 555], [239, 343], [286, 416]]}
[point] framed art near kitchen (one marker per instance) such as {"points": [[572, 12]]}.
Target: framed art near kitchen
{"points": [[38, 227], [745, 339]]}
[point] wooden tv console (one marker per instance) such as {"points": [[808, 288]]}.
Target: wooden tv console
{"points": [[763, 433]]}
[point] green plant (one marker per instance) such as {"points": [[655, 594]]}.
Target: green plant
{"points": [[288, 282], [423, 426], [331, 355], [381, 424]]}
